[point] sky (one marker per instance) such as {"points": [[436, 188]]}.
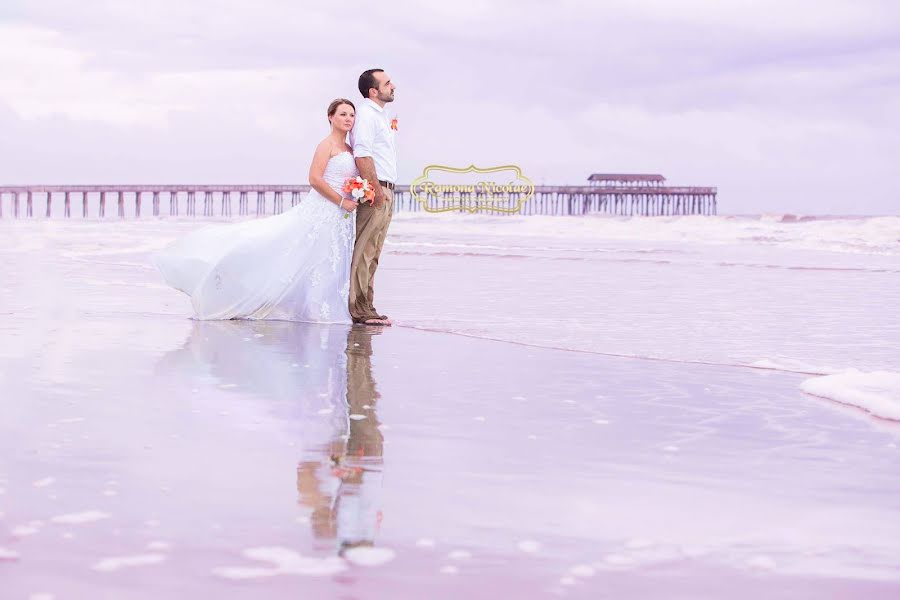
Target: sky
{"points": [[784, 105]]}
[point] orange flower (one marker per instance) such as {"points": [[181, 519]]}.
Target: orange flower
{"points": [[370, 195], [394, 124]]}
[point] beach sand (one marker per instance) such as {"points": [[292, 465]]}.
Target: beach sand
{"points": [[146, 455]]}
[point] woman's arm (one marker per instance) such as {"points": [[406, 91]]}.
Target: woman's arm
{"points": [[317, 179]]}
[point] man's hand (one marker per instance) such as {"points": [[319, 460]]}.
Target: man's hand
{"points": [[379, 199]]}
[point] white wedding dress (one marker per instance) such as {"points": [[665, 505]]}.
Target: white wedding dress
{"points": [[294, 266]]}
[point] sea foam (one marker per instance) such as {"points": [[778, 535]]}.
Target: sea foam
{"points": [[877, 392]]}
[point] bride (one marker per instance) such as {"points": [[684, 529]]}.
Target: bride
{"points": [[294, 266]]}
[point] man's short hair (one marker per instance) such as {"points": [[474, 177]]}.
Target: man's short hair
{"points": [[367, 81]]}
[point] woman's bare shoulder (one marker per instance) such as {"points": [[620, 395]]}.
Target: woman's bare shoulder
{"points": [[325, 148]]}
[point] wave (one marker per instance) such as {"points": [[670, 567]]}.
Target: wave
{"points": [[846, 234], [876, 392], [794, 366]]}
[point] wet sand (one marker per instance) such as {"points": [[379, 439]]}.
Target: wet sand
{"points": [[145, 455]]}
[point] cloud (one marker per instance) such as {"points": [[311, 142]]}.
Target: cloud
{"points": [[774, 102]]}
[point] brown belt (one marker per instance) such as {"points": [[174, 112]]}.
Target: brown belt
{"points": [[386, 184]]}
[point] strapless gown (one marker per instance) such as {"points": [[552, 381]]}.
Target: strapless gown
{"points": [[294, 266]]}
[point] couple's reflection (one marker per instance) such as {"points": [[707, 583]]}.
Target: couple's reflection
{"points": [[316, 379], [341, 482]]}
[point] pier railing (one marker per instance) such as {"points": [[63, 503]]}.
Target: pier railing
{"points": [[27, 201]]}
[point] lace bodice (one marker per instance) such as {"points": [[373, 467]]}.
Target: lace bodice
{"points": [[339, 168]]}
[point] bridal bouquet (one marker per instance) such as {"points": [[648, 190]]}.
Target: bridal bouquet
{"points": [[359, 189]]}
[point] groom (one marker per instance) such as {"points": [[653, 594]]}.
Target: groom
{"points": [[372, 139]]}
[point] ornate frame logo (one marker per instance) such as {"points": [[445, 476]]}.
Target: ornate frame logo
{"points": [[472, 197]]}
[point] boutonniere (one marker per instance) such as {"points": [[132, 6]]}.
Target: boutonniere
{"points": [[394, 123]]}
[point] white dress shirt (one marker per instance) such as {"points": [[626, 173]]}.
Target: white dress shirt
{"points": [[372, 136]]}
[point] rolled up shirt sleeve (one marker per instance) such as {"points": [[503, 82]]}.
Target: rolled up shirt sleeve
{"points": [[362, 137]]}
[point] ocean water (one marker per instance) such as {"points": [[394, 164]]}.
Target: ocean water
{"points": [[816, 295], [698, 407]]}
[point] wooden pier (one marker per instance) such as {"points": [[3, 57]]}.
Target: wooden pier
{"points": [[617, 194]]}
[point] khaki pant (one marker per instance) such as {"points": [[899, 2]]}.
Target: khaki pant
{"points": [[371, 229]]}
